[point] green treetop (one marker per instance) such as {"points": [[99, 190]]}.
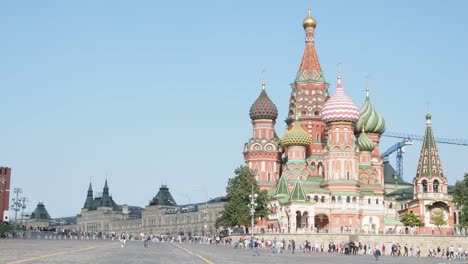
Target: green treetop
{"points": [[236, 209]]}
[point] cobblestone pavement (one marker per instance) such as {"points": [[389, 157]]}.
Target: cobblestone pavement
{"points": [[91, 251]]}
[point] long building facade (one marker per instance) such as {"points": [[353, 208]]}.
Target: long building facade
{"points": [[326, 173], [162, 215]]}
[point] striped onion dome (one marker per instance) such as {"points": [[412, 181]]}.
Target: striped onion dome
{"points": [[263, 107], [364, 142], [370, 120], [340, 107], [296, 136]]}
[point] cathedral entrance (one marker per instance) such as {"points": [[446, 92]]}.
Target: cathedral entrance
{"points": [[321, 223]]}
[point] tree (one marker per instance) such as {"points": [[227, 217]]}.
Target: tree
{"points": [[460, 197], [439, 219], [410, 219], [5, 229], [236, 209]]}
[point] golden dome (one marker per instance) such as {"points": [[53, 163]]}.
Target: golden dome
{"points": [[309, 21]]}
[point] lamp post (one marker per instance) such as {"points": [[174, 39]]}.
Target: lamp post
{"points": [[23, 201], [205, 216], [16, 205], [252, 206]]}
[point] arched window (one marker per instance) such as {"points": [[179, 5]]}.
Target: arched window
{"points": [[424, 185], [368, 201], [348, 199], [316, 198], [376, 201], [390, 206], [435, 186], [333, 199], [339, 199], [347, 175], [354, 199], [322, 199]]}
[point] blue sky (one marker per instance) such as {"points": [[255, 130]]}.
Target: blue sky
{"points": [[157, 92]]}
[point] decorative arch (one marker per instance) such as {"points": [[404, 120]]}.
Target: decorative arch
{"points": [[424, 186], [435, 186]]}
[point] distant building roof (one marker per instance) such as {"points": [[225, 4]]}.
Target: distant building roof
{"points": [[163, 197], [40, 212], [389, 175]]}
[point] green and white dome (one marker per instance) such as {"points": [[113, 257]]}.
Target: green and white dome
{"points": [[365, 143], [370, 120]]}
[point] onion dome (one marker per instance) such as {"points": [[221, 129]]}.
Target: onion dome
{"points": [[296, 136], [309, 21], [370, 120], [263, 107], [428, 118], [364, 142], [340, 107]]}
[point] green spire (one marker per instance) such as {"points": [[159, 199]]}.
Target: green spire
{"points": [[89, 203], [429, 162], [282, 187], [297, 193]]}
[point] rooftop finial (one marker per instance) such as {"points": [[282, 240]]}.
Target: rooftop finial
{"points": [[367, 85], [309, 21], [338, 66], [263, 78]]}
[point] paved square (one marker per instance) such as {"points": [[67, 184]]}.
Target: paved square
{"points": [[91, 251]]}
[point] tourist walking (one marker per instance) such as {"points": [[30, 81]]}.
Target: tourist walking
{"points": [[123, 239], [293, 245]]}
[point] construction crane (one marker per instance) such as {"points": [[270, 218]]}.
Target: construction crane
{"points": [[400, 149], [452, 141], [408, 140]]}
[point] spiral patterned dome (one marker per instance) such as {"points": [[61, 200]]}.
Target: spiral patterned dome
{"points": [[296, 136], [340, 107], [370, 120], [365, 143], [263, 107]]}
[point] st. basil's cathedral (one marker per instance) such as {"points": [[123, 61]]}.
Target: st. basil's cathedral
{"points": [[326, 173]]}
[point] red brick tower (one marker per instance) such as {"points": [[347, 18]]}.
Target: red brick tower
{"points": [[262, 153], [309, 91], [5, 179]]}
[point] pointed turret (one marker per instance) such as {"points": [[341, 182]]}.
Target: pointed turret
{"points": [[429, 162], [106, 188], [282, 187], [106, 200], [309, 89], [89, 203], [310, 66], [297, 193]]}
